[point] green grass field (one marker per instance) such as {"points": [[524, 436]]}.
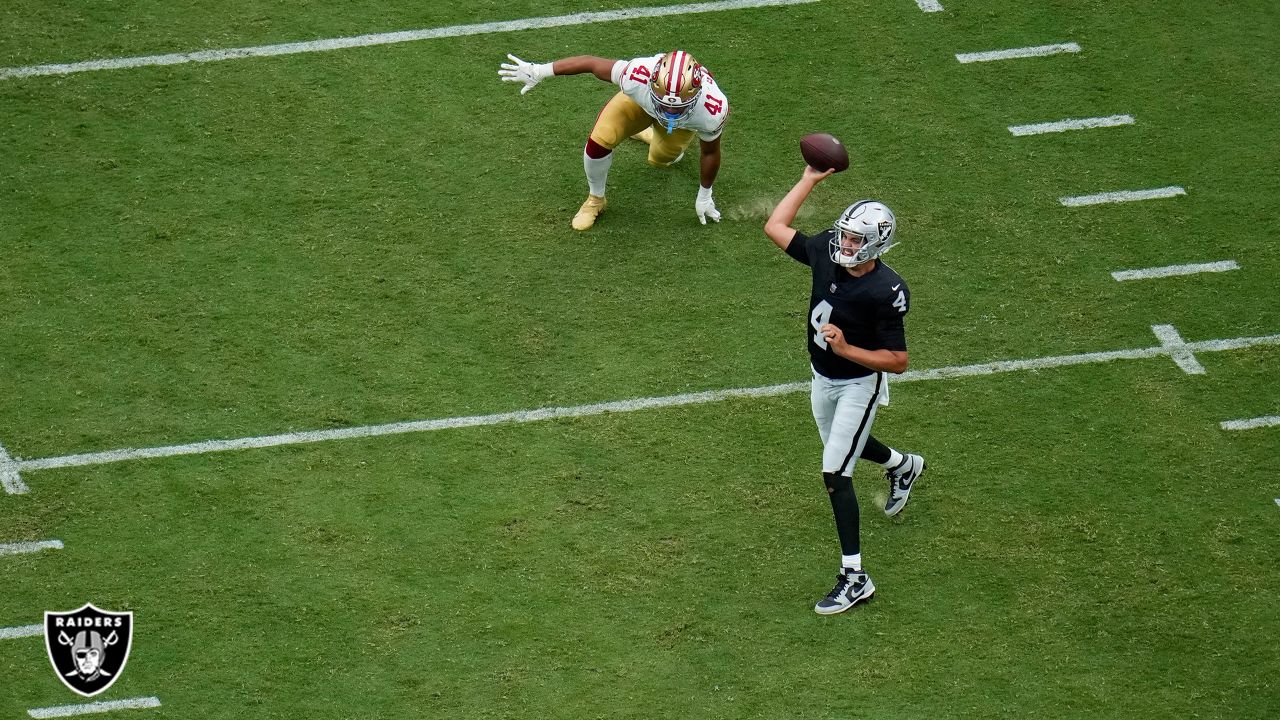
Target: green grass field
{"points": [[375, 235]]}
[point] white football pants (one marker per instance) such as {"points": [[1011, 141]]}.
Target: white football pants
{"points": [[844, 411]]}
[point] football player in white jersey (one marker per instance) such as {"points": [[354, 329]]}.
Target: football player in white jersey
{"points": [[663, 100]]}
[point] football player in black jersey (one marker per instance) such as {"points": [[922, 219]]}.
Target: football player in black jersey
{"points": [[855, 336]]}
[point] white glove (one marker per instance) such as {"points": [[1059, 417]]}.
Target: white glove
{"points": [[705, 206], [528, 73]]}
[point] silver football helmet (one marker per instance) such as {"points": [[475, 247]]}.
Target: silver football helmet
{"points": [[869, 222]]}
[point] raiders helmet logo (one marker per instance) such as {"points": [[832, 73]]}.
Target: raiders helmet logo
{"points": [[88, 647]]}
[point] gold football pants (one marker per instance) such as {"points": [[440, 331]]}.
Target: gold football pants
{"points": [[622, 117]]}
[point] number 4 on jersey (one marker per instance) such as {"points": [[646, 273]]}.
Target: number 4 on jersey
{"points": [[901, 302], [819, 316]]}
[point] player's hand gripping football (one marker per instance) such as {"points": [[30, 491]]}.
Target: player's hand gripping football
{"points": [[816, 176], [524, 72], [705, 206]]}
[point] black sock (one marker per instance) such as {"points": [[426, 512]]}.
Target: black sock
{"points": [[844, 504], [875, 451]]}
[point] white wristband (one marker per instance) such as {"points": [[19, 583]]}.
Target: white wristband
{"points": [[542, 71], [704, 193]]}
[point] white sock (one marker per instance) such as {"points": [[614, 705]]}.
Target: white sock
{"points": [[895, 459], [597, 172], [851, 562]]}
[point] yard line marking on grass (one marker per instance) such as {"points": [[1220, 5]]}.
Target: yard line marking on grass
{"points": [[929, 5], [9, 478], [94, 707], [1064, 125], [1026, 52], [390, 38], [29, 547], [21, 631], [311, 436], [1120, 196], [1251, 423], [1172, 270], [709, 396], [1178, 349]]}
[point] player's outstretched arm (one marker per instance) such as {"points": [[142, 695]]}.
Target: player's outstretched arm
{"points": [[578, 64], [533, 73], [778, 226]]}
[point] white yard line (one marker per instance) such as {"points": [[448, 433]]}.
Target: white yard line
{"points": [[94, 707], [1120, 196], [525, 416], [312, 436], [1181, 354], [929, 5], [1251, 423], [1026, 52], [21, 631], [29, 547], [390, 38], [1064, 125], [9, 478], [1172, 270]]}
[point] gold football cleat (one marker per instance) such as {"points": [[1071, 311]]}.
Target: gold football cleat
{"points": [[588, 213]]}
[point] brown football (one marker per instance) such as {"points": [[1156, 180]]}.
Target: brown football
{"points": [[824, 152]]}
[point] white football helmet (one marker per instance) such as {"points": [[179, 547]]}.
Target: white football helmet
{"points": [[872, 223], [675, 87]]}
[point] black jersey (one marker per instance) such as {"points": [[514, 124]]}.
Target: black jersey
{"points": [[867, 309]]}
